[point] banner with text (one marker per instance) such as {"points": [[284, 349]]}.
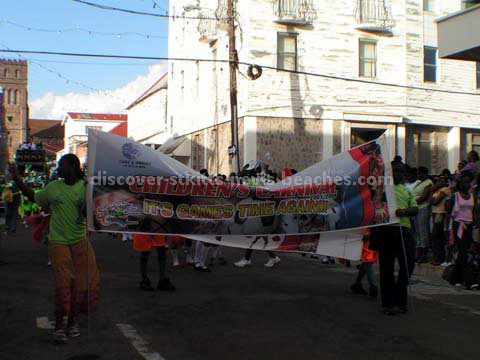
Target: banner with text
{"points": [[322, 209]]}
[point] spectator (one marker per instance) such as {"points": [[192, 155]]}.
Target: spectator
{"points": [[441, 193], [461, 208], [422, 192]]}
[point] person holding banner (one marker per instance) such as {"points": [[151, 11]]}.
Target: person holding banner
{"points": [[143, 244], [396, 242], [76, 276]]}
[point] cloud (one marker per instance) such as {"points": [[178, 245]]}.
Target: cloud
{"points": [[51, 106]]}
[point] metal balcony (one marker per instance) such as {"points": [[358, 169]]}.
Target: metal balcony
{"points": [[221, 14], [374, 16], [207, 26], [294, 12]]}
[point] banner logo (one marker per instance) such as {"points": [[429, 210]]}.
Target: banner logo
{"points": [[131, 151]]}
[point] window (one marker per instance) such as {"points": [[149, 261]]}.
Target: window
{"points": [[428, 5], [287, 51], [424, 148], [10, 118], [5, 72], [478, 74], [429, 64], [88, 128], [17, 74], [10, 141], [469, 3], [368, 58], [15, 97], [9, 96], [476, 143]]}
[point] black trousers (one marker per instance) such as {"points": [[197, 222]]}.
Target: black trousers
{"points": [[462, 273], [438, 238], [394, 291]]}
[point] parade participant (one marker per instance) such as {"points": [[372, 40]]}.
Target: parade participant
{"points": [[12, 203], [369, 257], [76, 276], [143, 244], [422, 193], [396, 242], [461, 208], [251, 171]]}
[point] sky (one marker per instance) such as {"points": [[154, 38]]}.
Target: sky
{"points": [[60, 84]]}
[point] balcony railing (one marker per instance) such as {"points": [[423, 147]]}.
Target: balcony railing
{"points": [[207, 26], [221, 14], [374, 16], [294, 12]]}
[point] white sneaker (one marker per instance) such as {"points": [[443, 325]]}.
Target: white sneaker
{"points": [[272, 262], [444, 264], [242, 263]]}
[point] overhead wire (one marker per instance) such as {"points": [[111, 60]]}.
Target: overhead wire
{"points": [[79, 84], [134, 12], [166, 58]]}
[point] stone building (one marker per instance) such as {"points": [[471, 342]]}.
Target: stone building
{"points": [[355, 68], [13, 108]]}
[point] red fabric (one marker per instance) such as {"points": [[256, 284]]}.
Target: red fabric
{"points": [[143, 242], [363, 161], [287, 172], [40, 226]]}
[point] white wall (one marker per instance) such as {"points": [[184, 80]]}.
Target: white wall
{"points": [[149, 117], [329, 47], [77, 127]]}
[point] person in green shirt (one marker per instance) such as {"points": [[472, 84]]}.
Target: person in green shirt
{"points": [[395, 242], [69, 250]]}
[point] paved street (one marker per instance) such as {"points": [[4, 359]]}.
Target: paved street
{"points": [[298, 310]]}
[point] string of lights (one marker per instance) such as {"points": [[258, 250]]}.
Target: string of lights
{"points": [[80, 29], [112, 8], [79, 84]]}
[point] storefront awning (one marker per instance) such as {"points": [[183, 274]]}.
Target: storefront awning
{"points": [[179, 146]]}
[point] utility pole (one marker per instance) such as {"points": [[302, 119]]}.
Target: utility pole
{"points": [[233, 60]]}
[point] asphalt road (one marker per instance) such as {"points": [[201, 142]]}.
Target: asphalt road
{"points": [[300, 309]]}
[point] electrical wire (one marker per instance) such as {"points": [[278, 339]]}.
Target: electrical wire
{"points": [[240, 63], [79, 29], [79, 84], [105, 7]]}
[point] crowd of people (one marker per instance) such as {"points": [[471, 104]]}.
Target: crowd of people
{"points": [[448, 219], [438, 222]]}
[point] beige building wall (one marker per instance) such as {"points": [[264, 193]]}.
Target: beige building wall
{"points": [[285, 142]]}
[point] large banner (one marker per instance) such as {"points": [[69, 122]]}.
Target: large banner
{"points": [[323, 209]]}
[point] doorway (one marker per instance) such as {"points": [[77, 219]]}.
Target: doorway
{"points": [[360, 136]]}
